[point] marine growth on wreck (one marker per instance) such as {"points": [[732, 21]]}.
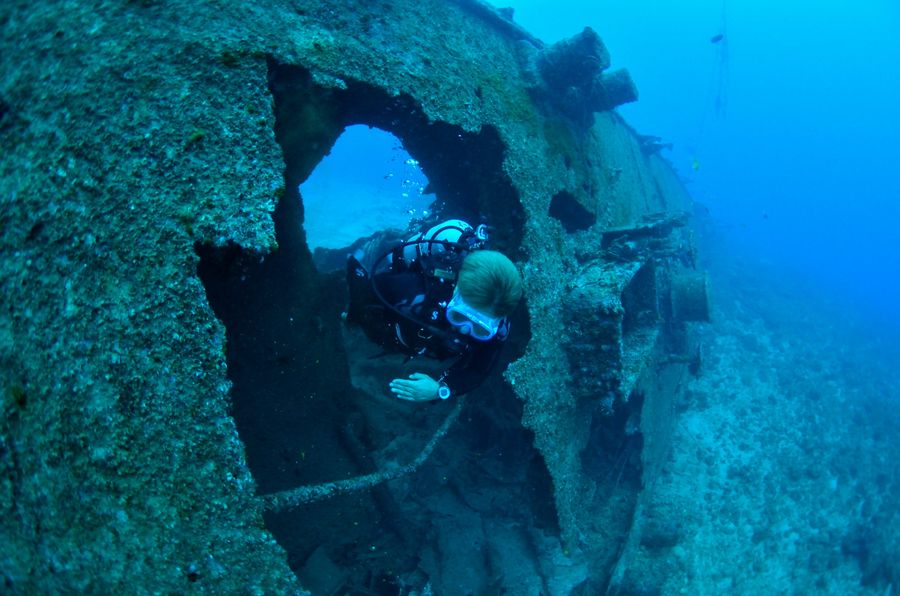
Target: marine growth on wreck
{"points": [[184, 410]]}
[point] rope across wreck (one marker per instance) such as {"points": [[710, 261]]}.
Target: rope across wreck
{"points": [[304, 495]]}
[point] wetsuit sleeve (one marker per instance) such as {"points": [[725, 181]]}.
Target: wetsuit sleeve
{"points": [[472, 368]]}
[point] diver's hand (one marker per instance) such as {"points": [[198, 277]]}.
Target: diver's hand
{"points": [[419, 387]]}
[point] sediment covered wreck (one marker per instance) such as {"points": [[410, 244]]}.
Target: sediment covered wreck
{"points": [[182, 409]]}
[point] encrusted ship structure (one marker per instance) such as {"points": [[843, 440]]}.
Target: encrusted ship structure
{"points": [[183, 410]]}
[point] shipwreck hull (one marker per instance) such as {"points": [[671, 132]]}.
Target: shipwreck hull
{"points": [[173, 359]]}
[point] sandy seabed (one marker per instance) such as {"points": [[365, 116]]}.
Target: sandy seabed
{"points": [[783, 477]]}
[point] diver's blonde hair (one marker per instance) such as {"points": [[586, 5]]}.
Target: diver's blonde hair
{"points": [[489, 282]]}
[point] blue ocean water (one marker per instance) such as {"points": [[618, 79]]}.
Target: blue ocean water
{"points": [[367, 166], [785, 129]]}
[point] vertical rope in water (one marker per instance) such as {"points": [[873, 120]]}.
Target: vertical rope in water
{"points": [[722, 65], [715, 105]]}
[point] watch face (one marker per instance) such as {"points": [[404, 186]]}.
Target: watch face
{"points": [[444, 392]]}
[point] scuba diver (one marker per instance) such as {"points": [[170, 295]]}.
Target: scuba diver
{"points": [[440, 294]]}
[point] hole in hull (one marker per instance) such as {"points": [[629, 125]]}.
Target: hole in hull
{"points": [[303, 416], [570, 213], [368, 183]]}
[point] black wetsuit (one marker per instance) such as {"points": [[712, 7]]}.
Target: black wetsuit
{"points": [[424, 330]]}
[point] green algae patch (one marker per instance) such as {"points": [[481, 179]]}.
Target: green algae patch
{"points": [[195, 137]]}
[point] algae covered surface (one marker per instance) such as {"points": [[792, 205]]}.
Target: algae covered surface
{"points": [[137, 133], [125, 139], [172, 355]]}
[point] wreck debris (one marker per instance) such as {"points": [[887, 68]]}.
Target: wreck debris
{"points": [[570, 76], [654, 224], [651, 236], [612, 89], [651, 144], [612, 317], [570, 73], [690, 296], [574, 62]]}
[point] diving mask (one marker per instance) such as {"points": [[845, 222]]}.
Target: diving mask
{"points": [[469, 321]]}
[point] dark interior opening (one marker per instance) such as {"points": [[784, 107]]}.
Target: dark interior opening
{"points": [[613, 452], [570, 213], [302, 420], [639, 300]]}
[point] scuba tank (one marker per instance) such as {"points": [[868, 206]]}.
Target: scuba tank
{"points": [[438, 254], [439, 250]]}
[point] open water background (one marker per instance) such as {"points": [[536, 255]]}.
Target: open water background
{"points": [[786, 129]]}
